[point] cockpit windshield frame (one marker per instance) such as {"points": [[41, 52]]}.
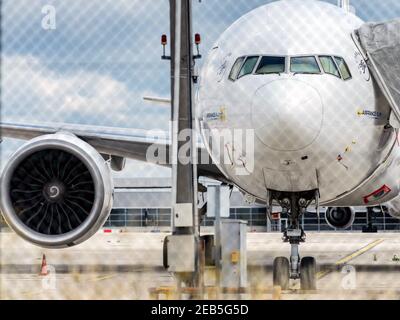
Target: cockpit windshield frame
{"points": [[317, 64], [240, 62], [256, 70]]}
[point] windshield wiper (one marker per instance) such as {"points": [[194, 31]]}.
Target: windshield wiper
{"points": [[296, 73], [263, 73]]}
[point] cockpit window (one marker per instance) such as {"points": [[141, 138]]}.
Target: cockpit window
{"points": [[329, 65], [344, 69], [333, 65], [308, 65], [236, 68], [248, 66], [270, 65]]}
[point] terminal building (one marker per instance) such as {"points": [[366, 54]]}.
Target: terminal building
{"points": [[145, 205]]}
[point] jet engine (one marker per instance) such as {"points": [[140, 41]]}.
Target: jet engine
{"points": [[340, 217], [56, 191]]}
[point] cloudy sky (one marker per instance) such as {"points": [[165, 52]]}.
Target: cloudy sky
{"points": [[104, 56]]}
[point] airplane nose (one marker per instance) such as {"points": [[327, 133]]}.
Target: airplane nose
{"points": [[287, 114]]}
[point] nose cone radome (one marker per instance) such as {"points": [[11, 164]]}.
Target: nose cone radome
{"points": [[287, 114]]}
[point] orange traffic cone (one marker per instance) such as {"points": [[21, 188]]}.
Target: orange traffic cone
{"points": [[43, 269]]}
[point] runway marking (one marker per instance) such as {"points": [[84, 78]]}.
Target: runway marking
{"points": [[352, 256], [106, 277], [31, 295]]}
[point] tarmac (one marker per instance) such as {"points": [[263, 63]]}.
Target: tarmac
{"points": [[126, 265]]}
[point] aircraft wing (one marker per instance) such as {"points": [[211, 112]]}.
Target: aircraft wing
{"points": [[119, 142], [127, 143]]}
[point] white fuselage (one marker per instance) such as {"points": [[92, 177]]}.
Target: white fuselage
{"points": [[311, 131]]}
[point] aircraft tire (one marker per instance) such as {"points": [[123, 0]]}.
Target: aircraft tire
{"points": [[308, 274], [281, 273]]}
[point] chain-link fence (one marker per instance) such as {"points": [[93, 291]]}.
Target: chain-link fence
{"points": [[91, 64]]}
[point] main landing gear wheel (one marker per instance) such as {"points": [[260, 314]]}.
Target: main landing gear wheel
{"points": [[281, 273], [308, 274]]}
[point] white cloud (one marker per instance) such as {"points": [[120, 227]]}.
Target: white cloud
{"points": [[27, 82]]}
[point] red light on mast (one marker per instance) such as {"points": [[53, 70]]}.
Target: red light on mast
{"points": [[197, 38], [164, 42], [164, 39]]}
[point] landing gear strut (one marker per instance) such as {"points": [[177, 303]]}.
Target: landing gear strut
{"points": [[284, 269]]}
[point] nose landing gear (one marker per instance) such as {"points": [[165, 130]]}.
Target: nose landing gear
{"points": [[284, 269]]}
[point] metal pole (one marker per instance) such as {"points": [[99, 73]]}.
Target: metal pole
{"points": [[175, 13], [184, 173], [345, 4], [217, 253]]}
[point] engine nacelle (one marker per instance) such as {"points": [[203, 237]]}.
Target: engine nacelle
{"points": [[340, 217], [56, 191]]}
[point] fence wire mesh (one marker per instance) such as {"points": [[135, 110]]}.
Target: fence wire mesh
{"points": [[91, 63]]}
